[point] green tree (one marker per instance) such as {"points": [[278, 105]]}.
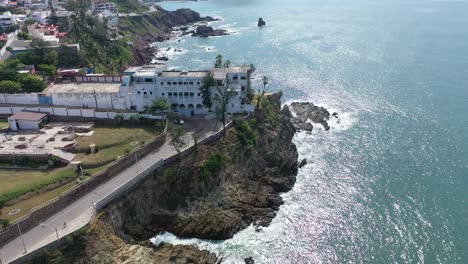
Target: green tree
{"points": [[31, 83], [260, 97], [8, 74], [253, 68], [227, 64], [9, 87], [219, 61], [221, 101], [48, 71], [177, 140], [158, 105], [207, 82]]}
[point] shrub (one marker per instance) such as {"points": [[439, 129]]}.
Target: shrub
{"points": [[4, 223], [247, 133], [126, 151]]}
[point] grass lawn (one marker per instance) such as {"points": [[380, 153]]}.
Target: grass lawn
{"points": [[14, 183], [34, 201], [3, 123], [113, 142]]}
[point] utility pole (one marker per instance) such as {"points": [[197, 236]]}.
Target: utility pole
{"points": [[56, 232], [22, 239]]}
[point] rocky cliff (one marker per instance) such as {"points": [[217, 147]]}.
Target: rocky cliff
{"points": [[212, 193], [220, 188], [146, 28]]}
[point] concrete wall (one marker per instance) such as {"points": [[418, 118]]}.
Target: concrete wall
{"points": [[86, 113], [25, 99]]}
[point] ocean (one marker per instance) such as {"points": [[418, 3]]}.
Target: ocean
{"points": [[389, 183]]}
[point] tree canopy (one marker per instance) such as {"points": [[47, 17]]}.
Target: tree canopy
{"points": [[9, 87]]}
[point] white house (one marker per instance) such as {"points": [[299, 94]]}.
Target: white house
{"points": [[182, 88], [26, 121], [7, 19]]}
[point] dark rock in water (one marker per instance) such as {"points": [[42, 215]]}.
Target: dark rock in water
{"points": [[249, 260], [261, 22], [163, 58], [207, 31], [308, 111], [303, 163]]}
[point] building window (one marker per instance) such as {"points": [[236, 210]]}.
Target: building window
{"points": [[180, 83], [152, 92], [185, 94], [144, 93], [162, 83], [170, 94], [191, 83], [243, 88], [235, 77], [148, 80], [169, 83], [162, 94], [181, 94], [139, 92], [243, 78], [191, 94], [198, 94], [198, 83], [174, 83], [185, 83]]}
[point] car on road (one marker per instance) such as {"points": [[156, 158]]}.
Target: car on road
{"points": [[179, 121]]}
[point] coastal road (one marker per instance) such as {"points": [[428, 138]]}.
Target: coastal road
{"points": [[78, 213]]}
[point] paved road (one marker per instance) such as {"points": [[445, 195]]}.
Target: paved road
{"points": [[77, 214]]}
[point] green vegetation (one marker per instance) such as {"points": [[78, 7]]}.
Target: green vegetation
{"points": [[15, 183], [130, 6], [151, 24], [14, 82], [113, 142], [157, 106], [212, 166], [73, 248], [207, 82], [247, 133], [270, 114], [28, 204], [24, 36], [3, 123], [177, 140]]}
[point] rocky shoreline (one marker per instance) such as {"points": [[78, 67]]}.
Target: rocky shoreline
{"points": [[162, 25]]}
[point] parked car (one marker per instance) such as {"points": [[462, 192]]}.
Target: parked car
{"points": [[179, 121]]}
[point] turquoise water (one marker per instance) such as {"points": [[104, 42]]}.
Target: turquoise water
{"points": [[389, 184]]}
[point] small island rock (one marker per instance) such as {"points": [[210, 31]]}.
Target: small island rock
{"points": [[261, 22]]}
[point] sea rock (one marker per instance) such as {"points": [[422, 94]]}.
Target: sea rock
{"points": [[249, 260], [261, 22], [306, 112], [207, 31], [303, 163]]}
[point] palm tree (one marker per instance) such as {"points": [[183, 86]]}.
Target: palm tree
{"points": [[265, 82]]}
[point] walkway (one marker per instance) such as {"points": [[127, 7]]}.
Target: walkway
{"points": [[78, 214]]}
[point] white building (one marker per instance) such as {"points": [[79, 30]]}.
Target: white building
{"points": [[101, 6], [182, 88], [41, 16], [26, 121], [7, 19]]}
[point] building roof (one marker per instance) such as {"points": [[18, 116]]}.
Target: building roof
{"points": [[28, 116], [83, 88], [198, 74]]}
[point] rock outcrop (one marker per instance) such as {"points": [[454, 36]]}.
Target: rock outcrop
{"points": [[155, 26], [207, 31], [306, 113], [261, 22], [185, 201]]}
